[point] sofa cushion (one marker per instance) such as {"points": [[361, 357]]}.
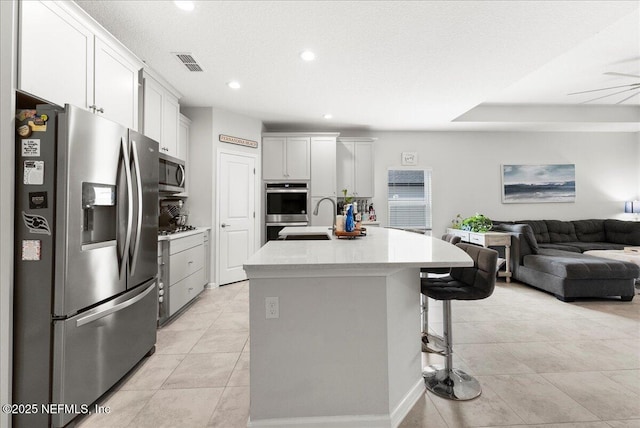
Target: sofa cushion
{"points": [[540, 230], [530, 245], [563, 247], [586, 246], [579, 266], [590, 230], [622, 232], [561, 231]]}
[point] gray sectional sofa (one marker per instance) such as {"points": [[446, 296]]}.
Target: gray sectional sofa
{"points": [[547, 254]]}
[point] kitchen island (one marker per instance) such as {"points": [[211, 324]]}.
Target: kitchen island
{"points": [[335, 327]]}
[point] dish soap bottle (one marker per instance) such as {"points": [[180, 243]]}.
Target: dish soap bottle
{"points": [[349, 224]]}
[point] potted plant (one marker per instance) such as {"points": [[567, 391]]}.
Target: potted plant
{"points": [[476, 223], [347, 199]]}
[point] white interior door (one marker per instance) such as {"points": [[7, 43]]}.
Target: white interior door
{"points": [[236, 215]]}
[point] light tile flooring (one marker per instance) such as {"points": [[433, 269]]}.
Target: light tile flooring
{"points": [[541, 363]]}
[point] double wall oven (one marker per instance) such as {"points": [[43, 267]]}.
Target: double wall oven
{"points": [[286, 204]]}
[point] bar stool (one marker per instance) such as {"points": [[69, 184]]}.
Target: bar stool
{"points": [[427, 338], [472, 283]]}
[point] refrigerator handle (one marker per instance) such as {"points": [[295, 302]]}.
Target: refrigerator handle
{"points": [[127, 239], [120, 306], [136, 245]]}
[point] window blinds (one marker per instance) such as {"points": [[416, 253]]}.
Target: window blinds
{"points": [[409, 198]]}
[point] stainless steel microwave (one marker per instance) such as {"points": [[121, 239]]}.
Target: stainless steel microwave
{"points": [[172, 174]]}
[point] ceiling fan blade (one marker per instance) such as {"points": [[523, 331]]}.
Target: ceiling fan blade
{"points": [[630, 96], [635, 85], [613, 73], [609, 95]]}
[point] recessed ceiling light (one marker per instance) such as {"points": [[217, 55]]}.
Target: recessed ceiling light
{"points": [[308, 56], [328, 116], [234, 84], [184, 5]]}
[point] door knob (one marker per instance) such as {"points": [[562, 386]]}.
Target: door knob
{"points": [[224, 225]]}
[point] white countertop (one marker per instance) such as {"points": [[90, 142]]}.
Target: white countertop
{"points": [[381, 248], [183, 234]]}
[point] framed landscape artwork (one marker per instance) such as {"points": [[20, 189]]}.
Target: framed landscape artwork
{"points": [[538, 183]]}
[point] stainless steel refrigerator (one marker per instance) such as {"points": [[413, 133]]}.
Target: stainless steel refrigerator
{"points": [[85, 294]]}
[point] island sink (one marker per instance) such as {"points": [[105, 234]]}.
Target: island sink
{"points": [[315, 237], [312, 233]]}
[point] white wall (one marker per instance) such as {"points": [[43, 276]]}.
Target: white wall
{"points": [[638, 163], [8, 26], [467, 175], [206, 126]]}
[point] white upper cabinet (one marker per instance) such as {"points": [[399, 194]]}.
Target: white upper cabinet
{"points": [[161, 115], [182, 151], [183, 138], [66, 58], [355, 166], [170, 124], [152, 110], [54, 44], [273, 157], [323, 166], [363, 178], [116, 85], [298, 158], [344, 166], [286, 158]]}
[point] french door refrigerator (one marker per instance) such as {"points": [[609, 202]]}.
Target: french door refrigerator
{"points": [[85, 295]]}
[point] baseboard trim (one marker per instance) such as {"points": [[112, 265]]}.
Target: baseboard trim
{"points": [[211, 285], [406, 404], [360, 421]]}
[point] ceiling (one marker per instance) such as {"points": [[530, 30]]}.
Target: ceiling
{"points": [[394, 65]]}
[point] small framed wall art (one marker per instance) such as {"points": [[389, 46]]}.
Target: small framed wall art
{"points": [[409, 158]]}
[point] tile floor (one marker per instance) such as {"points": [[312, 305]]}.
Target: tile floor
{"points": [[541, 363]]}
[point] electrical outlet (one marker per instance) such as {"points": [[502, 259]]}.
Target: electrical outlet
{"points": [[272, 307]]}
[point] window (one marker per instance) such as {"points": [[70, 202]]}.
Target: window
{"points": [[409, 198]]}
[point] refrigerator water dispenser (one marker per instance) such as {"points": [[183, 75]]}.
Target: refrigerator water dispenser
{"points": [[99, 215]]}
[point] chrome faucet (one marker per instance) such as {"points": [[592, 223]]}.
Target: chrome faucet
{"points": [[335, 211]]}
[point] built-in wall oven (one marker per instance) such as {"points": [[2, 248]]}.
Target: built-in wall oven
{"points": [[286, 204]]}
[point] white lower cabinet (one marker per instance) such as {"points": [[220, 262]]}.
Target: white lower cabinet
{"points": [[187, 262], [182, 272], [184, 291]]}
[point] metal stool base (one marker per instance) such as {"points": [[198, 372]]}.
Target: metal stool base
{"points": [[453, 384]]}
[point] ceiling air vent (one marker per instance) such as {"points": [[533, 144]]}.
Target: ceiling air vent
{"points": [[188, 61]]}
